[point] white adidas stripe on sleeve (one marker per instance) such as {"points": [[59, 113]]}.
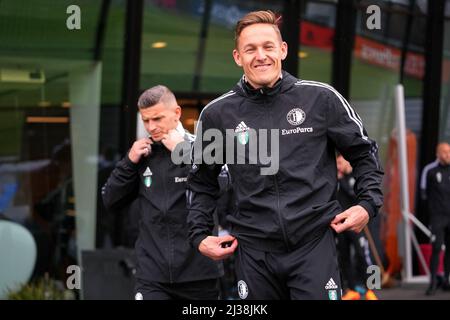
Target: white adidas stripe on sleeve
{"points": [[351, 113], [225, 95]]}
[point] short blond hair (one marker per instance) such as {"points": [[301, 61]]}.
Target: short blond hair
{"points": [[254, 17]]}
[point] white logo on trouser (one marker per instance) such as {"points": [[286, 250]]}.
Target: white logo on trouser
{"points": [[242, 289], [331, 286], [138, 296]]}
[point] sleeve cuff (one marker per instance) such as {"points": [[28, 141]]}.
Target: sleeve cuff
{"points": [[130, 163], [370, 208], [197, 240]]}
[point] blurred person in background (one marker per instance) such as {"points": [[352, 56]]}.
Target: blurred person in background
{"points": [[353, 248], [438, 200]]}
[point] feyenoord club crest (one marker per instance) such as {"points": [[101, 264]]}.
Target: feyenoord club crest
{"points": [[242, 289], [148, 177], [331, 286], [242, 132], [296, 116]]}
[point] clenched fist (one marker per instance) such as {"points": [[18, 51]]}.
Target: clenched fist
{"points": [[354, 218], [216, 248], [141, 147]]}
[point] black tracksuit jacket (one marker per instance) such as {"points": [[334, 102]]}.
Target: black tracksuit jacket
{"points": [[281, 212], [159, 186], [438, 194]]}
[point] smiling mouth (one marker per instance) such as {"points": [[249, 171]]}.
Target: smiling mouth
{"points": [[263, 67]]}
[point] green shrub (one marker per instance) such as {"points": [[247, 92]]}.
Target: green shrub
{"points": [[41, 289]]}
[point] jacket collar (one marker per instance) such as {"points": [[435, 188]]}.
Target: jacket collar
{"points": [[283, 83], [180, 129]]}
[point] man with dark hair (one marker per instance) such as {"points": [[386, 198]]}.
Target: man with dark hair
{"points": [[168, 267], [284, 221], [353, 248]]}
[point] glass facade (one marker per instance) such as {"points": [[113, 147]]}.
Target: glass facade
{"points": [[202, 34], [50, 93], [317, 29], [444, 126], [377, 68]]}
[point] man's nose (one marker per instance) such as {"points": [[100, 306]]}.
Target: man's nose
{"points": [[260, 54], [151, 126]]}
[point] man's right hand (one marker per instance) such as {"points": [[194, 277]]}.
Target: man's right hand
{"points": [[213, 247], [141, 147]]}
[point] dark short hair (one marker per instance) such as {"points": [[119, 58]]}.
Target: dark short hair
{"points": [[155, 95], [254, 17]]}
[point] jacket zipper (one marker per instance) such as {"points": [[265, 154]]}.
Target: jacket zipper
{"points": [[280, 218], [277, 191], [167, 227]]}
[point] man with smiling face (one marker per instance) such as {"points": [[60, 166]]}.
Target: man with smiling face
{"points": [[168, 267], [282, 231]]}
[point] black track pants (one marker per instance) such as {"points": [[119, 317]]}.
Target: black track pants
{"points": [[194, 290], [307, 273]]}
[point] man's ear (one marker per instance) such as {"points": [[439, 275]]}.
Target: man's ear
{"points": [[178, 112], [284, 50], [237, 57]]}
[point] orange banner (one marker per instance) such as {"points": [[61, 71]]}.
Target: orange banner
{"points": [[370, 51], [389, 57]]}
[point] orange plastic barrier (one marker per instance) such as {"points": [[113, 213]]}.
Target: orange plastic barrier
{"points": [[392, 197]]}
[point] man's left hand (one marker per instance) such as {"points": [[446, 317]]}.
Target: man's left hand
{"points": [[354, 218], [171, 139]]}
